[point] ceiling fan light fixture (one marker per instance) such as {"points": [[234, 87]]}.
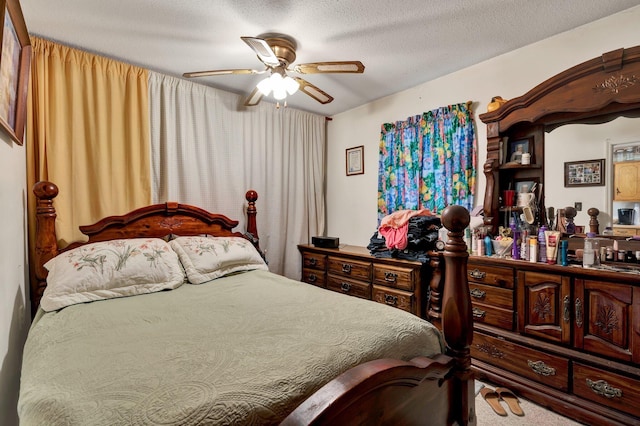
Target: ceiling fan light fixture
{"points": [[291, 85], [265, 86]]}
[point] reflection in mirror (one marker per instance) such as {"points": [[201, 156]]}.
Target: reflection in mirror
{"points": [[583, 142]]}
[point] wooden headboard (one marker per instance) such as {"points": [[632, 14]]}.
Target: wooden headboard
{"points": [[158, 220]]}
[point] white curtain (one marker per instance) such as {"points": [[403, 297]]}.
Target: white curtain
{"points": [[208, 150]]}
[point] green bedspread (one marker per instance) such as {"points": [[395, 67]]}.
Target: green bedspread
{"points": [[243, 349]]}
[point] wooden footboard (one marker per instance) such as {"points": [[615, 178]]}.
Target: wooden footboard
{"points": [[424, 391]]}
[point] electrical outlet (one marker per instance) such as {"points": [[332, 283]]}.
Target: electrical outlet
{"points": [[578, 206]]}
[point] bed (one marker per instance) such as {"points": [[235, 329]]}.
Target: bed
{"points": [[196, 330]]}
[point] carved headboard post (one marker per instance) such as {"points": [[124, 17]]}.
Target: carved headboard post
{"points": [[252, 227], [46, 244]]}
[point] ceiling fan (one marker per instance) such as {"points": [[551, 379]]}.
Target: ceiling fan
{"points": [[277, 53]]}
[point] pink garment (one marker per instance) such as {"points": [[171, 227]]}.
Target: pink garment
{"points": [[394, 227]]}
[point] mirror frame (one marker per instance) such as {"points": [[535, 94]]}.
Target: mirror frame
{"points": [[596, 91]]}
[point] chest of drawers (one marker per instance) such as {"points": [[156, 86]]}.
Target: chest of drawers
{"points": [[564, 337], [352, 270]]}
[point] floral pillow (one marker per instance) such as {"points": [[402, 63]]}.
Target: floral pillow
{"points": [[111, 269], [207, 258]]}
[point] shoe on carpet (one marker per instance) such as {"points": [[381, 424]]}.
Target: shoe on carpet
{"points": [[493, 399], [511, 399]]}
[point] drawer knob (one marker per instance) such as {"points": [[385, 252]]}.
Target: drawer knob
{"points": [[313, 261], [579, 313], [477, 293], [477, 274], [391, 277], [603, 388], [539, 367], [390, 299], [345, 287], [566, 309], [346, 268], [312, 278], [478, 313]]}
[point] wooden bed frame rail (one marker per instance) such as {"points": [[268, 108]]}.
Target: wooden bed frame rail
{"points": [[423, 391]]}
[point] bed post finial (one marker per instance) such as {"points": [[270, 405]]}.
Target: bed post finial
{"points": [[252, 227], [457, 320], [46, 243]]}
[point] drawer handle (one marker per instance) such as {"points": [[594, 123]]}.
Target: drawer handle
{"points": [[539, 367], [312, 278], [390, 299], [603, 388], [566, 309], [345, 287], [479, 313], [391, 277], [477, 274], [579, 313], [477, 293], [313, 261], [346, 268]]}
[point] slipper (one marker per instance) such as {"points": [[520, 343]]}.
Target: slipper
{"points": [[511, 399], [493, 399]]}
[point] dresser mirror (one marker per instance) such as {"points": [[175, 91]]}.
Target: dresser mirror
{"points": [[575, 142]]}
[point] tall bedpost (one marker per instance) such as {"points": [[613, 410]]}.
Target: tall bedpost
{"points": [[46, 244], [457, 320], [252, 227]]}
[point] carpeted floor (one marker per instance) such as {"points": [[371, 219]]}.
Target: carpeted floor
{"points": [[534, 415]]}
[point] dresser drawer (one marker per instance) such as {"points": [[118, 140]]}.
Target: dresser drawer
{"points": [[314, 260], [498, 276], [392, 276], [349, 286], [610, 389], [493, 296], [491, 315], [393, 297], [314, 276], [547, 369], [350, 268]]}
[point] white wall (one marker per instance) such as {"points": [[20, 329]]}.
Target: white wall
{"points": [[14, 300], [351, 201]]}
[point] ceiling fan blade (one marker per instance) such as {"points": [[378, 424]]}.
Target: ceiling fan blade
{"points": [[313, 91], [220, 72], [354, 67], [254, 98], [263, 50]]}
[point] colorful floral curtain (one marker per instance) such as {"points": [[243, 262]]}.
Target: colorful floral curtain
{"points": [[428, 161]]}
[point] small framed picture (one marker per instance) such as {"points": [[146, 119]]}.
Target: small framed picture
{"points": [[355, 160], [525, 186], [516, 148], [584, 173]]}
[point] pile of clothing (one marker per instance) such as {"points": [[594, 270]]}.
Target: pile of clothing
{"points": [[406, 234]]}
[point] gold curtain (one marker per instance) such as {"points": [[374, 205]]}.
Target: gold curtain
{"points": [[87, 132]]}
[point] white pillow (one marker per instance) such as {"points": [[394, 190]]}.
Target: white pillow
{"points": [[109, 269], [207, 258]]}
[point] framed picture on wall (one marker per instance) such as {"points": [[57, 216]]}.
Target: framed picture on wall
{"points": [[355, 160], [15, 61], [584, 173]]}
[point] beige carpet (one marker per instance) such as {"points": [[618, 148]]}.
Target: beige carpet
{"points": [[534, 415]]}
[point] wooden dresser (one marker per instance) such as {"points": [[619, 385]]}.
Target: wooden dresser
{"points": [[565, 337], [352, 270]]}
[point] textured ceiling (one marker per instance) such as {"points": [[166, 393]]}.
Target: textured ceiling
{"points": [[402, 44]]}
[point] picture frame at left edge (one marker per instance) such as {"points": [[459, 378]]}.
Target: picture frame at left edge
{"points": [[355, 160], [15, 66]]}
